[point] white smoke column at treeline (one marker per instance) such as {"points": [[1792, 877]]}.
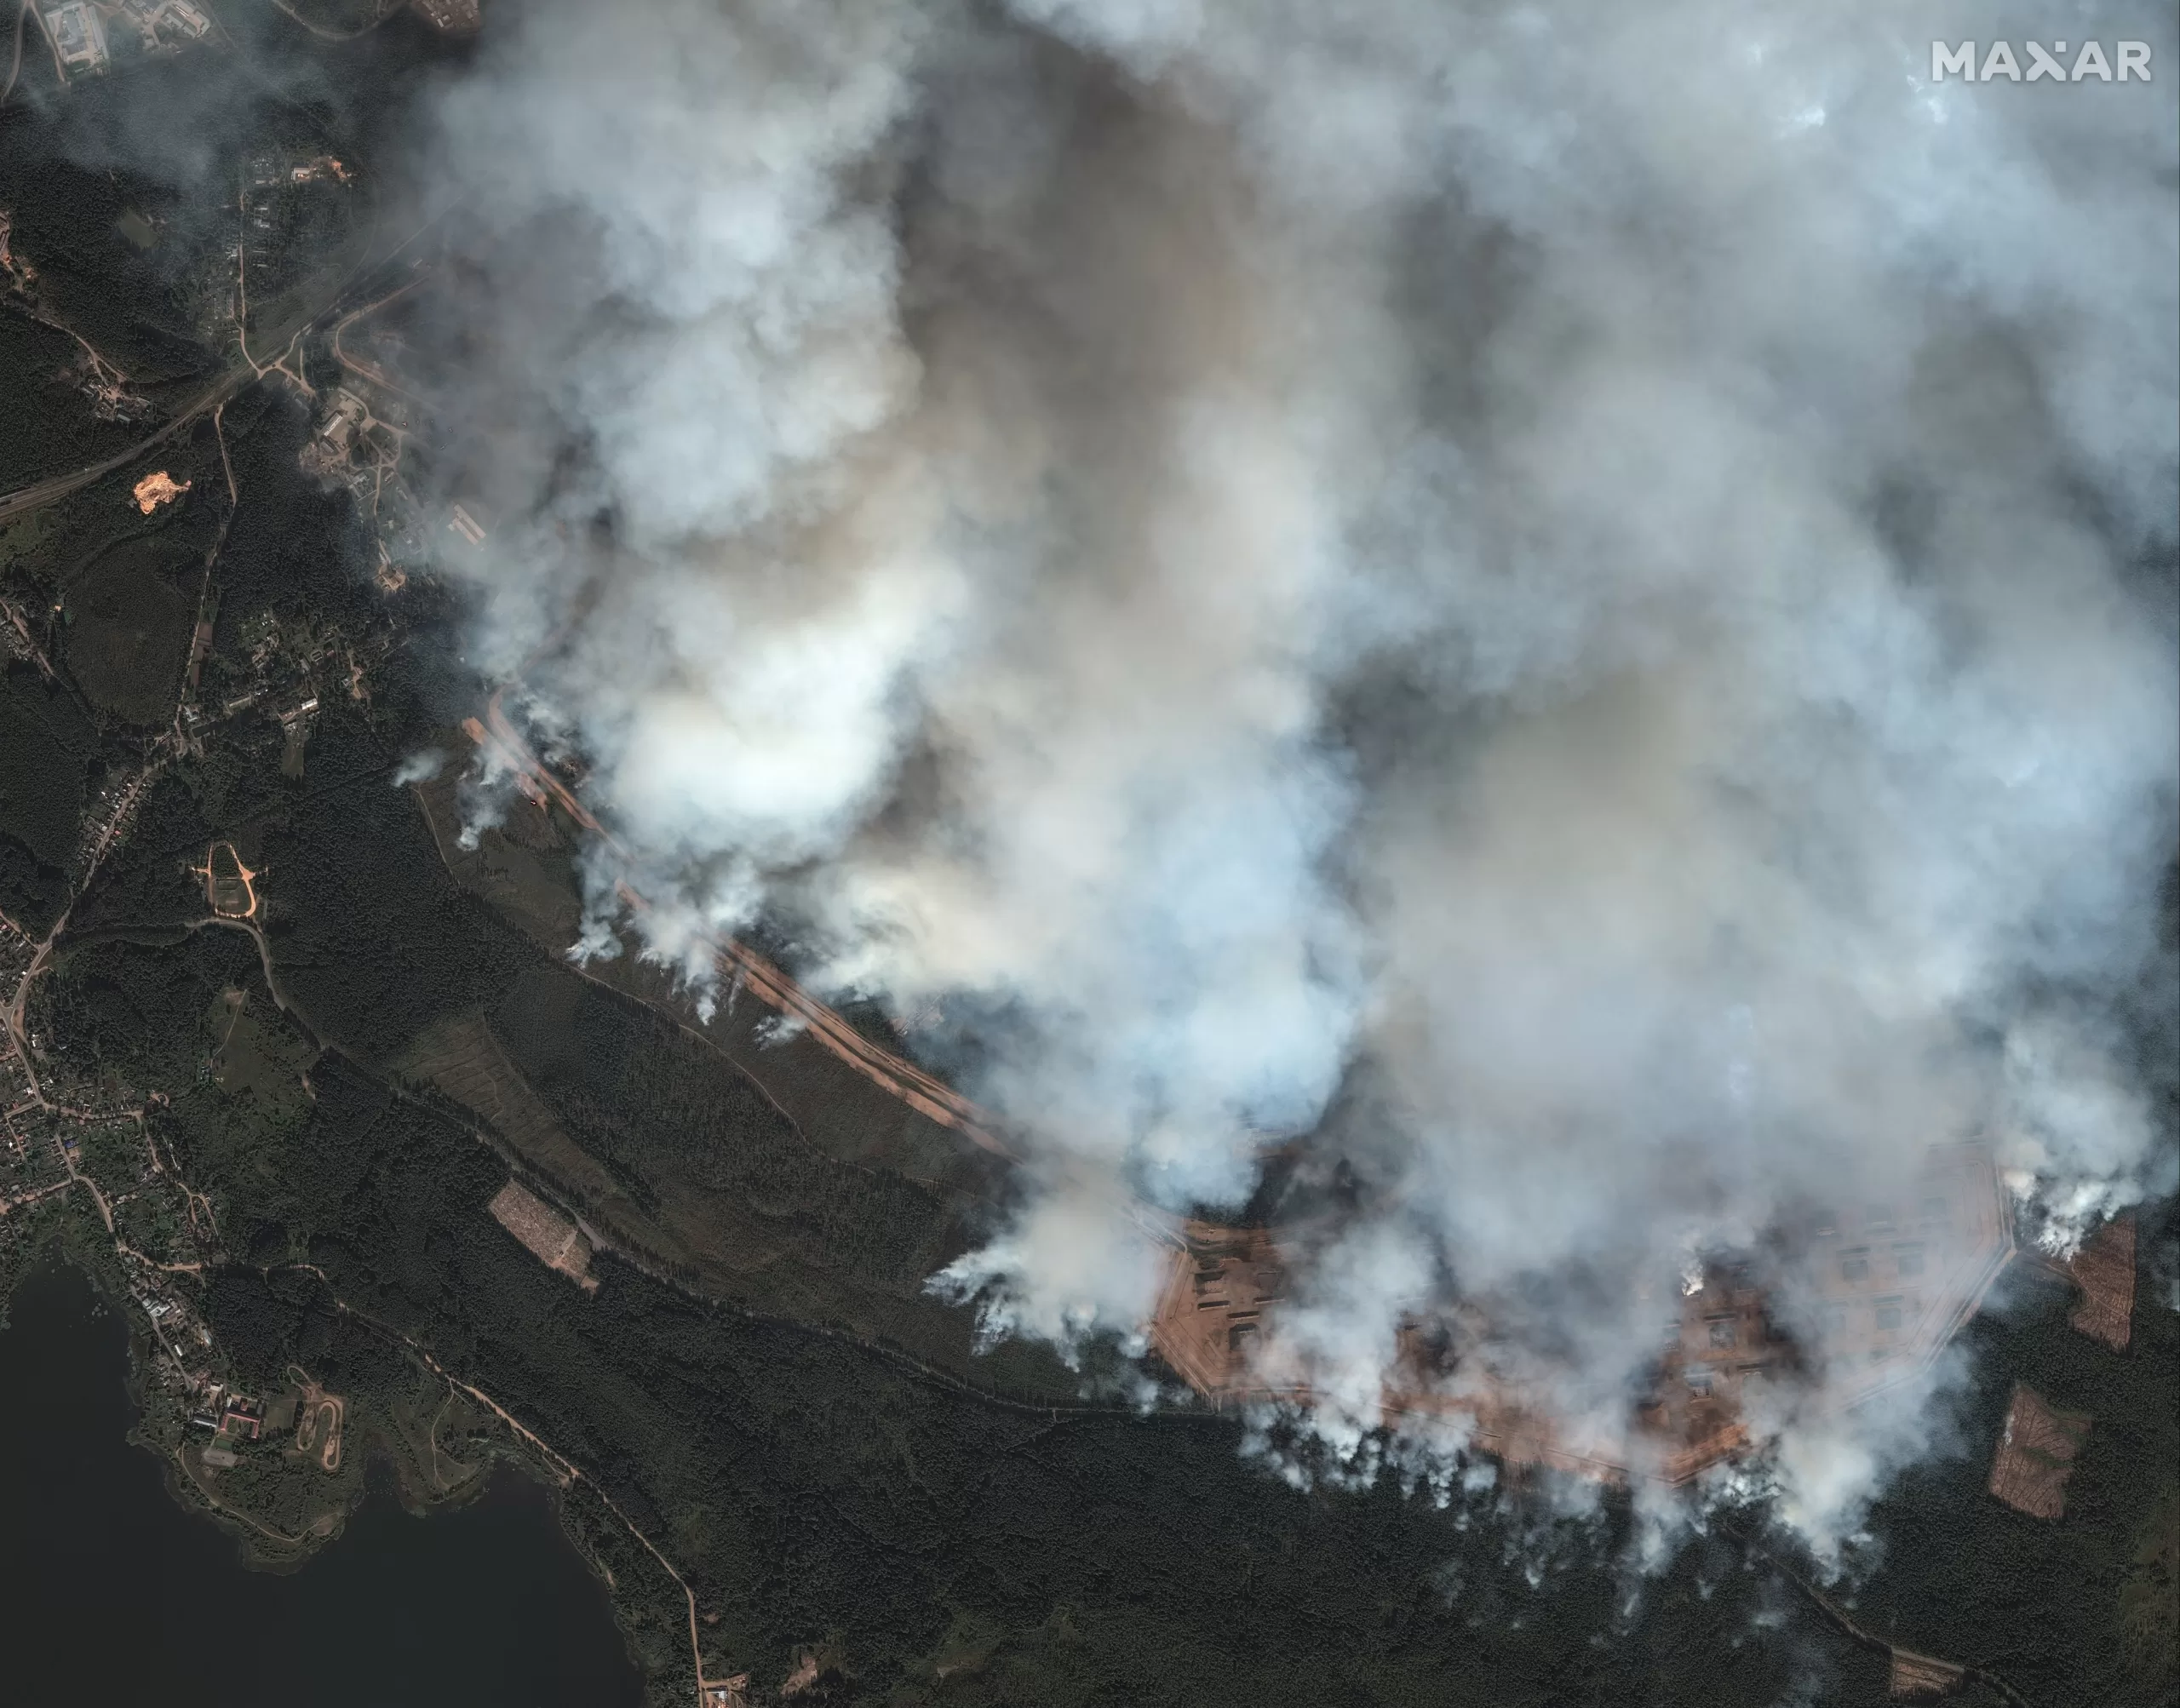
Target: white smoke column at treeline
{"points": [[1082, 584], [1603, 579]]}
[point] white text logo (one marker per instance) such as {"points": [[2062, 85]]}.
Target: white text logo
{"points": [[2036, 62]]}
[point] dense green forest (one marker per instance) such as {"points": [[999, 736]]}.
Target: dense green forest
{"points": [[815, 1494], [47, 747], [816, 1491], [46, 427]]}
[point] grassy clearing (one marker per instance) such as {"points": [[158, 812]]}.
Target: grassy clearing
{"points": [[128, 632]]}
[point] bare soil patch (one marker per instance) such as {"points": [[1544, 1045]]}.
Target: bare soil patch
{"points": [[1921, 1674], [2104, 1269], [552, 1238], [2036, 1455], [156, 489]]}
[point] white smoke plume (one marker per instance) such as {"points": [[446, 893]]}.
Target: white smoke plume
{"points": [[420, 767], [1577, 599]]}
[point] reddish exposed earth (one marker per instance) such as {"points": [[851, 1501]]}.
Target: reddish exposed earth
{"points": [[2036, 1455], [157, 488], [1901, 1277], [2105, 1269], [1898, 1279]]}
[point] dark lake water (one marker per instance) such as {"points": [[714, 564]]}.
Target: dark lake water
{"points": [[110, 1593]]}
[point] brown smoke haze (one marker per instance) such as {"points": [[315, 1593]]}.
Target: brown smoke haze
{"points": [[1576, 602]]}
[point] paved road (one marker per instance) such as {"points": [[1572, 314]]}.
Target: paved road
{"points": [[61, 485], [240, 373], [26, 498]]}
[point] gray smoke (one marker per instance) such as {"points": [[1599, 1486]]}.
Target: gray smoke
{"points": [[1582, 594]]}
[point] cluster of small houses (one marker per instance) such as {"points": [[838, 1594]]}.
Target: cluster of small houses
{"points": [[293, 704], [231, 1416]]}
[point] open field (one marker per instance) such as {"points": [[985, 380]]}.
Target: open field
{"points": [[127, 633], [260, 1061]]}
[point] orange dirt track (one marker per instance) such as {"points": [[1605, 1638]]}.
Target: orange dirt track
{"points": [[900, 1077]]}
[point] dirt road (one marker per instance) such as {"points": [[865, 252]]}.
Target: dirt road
{"points": [[928, 1096]]}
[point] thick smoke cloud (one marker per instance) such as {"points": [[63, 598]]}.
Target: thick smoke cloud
{"points": [[1579, 600]]}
